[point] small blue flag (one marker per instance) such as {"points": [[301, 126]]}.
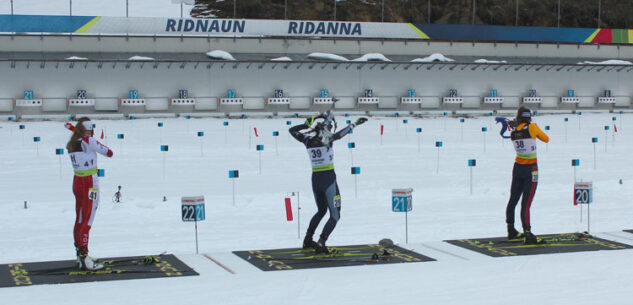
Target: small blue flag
{"points": [[396, 114], [187, 117], [579, 112], [36, 139], [351, 145], [201, 133], [275, 133], [100, 172], [594, 140], [347, 115], [11, 118], [606, 127], [613, 119], [59, 151], [566, 119], [575, 162], [405, 121], [234, 174], [132, 117], [160, 124], [461, 120], [547, 127], [438, 143], [288, 122], [472, 162], [355, 170], [296, 115], [22, 127], [225, 123], [418, 130], [244, 116], [164, 148], [484, 129], [260, 147], [348, 122], [120, 136]]}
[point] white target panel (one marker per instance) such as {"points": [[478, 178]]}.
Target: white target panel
{"points": [[27, 103], [231, 101], [453, 100], [368, 100], [411, 100], [493, 100], [278, 101], [606, 100], [322, 100], [532, 100], [570, 100], [132, 102], [182, 101], [81, 102]]}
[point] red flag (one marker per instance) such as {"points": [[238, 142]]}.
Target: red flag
{"points": [[102, 134], [382, 129], [288, 209], [615, 128], [255, 128]]}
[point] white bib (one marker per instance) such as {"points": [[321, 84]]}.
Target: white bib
{"points": [[321, 157]]}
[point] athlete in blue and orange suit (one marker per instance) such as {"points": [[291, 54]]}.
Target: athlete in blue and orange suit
{"points": [[524, 173], [324, 186]]}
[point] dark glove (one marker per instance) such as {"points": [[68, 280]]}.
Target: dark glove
{"points": [[360, 121], [309, 121]]}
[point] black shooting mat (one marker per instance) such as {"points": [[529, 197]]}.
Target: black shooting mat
{"points": [[554, 243], [355, 255], [118, 268]]}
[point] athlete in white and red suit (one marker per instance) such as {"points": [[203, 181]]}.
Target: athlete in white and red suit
{"points": [[82, 149]]}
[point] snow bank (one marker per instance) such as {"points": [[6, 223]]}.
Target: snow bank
{"points": [[433, 57], [606, 62], [283, 58], [136, 57], [219, 54], [486, 61], [372, 57], [76, 58], [326, 56]]}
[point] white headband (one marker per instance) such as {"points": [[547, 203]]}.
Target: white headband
{"points": [[87, 125]]}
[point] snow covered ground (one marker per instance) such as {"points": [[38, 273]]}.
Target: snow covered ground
{"points": [[443, 209]]}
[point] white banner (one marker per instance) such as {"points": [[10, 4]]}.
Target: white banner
{"points": [[256, 28]]}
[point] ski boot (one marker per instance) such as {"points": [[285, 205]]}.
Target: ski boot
{"points": [[530, 239], [513, 233], [308, 243], [321, 248], [86, 262]]}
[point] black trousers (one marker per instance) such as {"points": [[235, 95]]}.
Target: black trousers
{"points": [[524, 182]]}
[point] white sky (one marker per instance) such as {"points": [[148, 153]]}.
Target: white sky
{"points": [[136, 8]]}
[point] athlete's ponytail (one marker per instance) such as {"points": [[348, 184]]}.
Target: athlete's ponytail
{"points": [[78, 132]]}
